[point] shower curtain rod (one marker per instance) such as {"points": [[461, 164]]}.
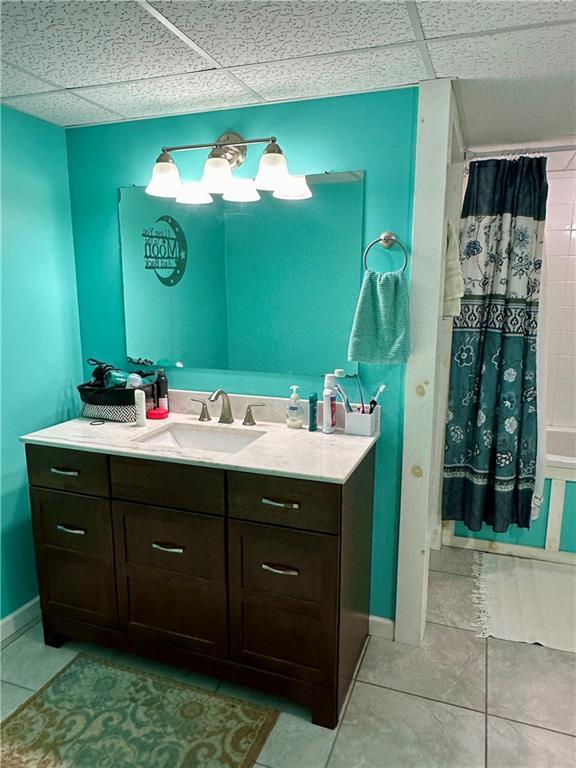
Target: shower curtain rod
{"points": [[471, 154]]}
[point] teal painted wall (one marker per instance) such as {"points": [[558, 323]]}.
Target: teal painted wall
{"points": [[568, 530], [40, 330], [373, 132]]}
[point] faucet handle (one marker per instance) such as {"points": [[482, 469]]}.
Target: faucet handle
{"points": [[249, 417], [204, 415]]}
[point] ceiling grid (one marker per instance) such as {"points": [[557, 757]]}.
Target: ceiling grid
{"points": [[79, 62]]}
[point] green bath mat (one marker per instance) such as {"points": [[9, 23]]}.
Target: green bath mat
{"points": [[97, 714]]}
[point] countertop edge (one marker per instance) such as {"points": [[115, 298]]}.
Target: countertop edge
{"points": [[52, 442]]}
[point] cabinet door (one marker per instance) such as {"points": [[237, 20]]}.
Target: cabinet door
{"points": [[283, 588], [75, 557], [171, 576]]}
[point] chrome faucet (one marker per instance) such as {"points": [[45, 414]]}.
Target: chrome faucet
{"points": [[226, 415]]}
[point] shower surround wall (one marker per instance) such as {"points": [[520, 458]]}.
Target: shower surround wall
{"points": [[560, 235]]}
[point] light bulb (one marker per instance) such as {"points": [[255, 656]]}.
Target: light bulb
{"points": [[293, 188], [272, 171], [165, 180], [241, 191], [194, 193], [217, 175]]}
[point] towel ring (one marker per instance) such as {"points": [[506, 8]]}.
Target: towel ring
{"points": [[387, 240]]}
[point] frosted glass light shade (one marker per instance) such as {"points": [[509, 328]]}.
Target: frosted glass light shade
{"points": [[241, 191], [272, 172], [293, 188], [217, 175], [194, 193], [165, 181]]}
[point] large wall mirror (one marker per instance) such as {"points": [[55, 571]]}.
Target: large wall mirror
{"points": [[269, 286]]}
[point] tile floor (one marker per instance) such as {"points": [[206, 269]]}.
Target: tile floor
{"points": [[456, 702]]}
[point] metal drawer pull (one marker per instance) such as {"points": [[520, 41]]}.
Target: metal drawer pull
{"points": [[281, 570], [168, 548], [282, 504], [66, 472], [74, 531]]}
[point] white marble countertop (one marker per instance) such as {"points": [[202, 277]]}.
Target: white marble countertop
{"points": [[281, 451]]}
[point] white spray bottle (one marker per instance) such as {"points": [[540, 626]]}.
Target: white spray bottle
{"points": [[329, 404]]}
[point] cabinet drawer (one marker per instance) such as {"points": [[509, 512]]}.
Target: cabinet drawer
{"points": [[173, 541], [284, 501], [291, 563], [73, 522], [168, 485], [66, 470]]}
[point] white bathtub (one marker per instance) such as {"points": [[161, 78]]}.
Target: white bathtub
{"points": [[561, 447]]}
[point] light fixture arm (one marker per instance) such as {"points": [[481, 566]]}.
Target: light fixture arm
{"points": [[215, 144]]}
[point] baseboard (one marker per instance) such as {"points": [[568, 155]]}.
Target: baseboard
{"points": [[379, 627], [17, 622]]}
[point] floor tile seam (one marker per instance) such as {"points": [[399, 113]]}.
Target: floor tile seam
{"points": [[341, 720], [452, 626], [363, 656], [17, 685], [531, 725], [420, 696], [451, 573]]}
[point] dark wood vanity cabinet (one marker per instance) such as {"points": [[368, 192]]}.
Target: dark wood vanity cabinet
{"points": [[262, 580]]}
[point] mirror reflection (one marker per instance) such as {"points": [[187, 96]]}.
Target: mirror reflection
{"points": [[244, 286]]}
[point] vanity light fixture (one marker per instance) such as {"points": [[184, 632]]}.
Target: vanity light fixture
{"points": [[293, 188], [165, 181], [227, 153], [272, 170], [241, 191], [194, 193]]}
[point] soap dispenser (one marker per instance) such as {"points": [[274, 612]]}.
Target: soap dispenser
{"points": [[294, 411]]}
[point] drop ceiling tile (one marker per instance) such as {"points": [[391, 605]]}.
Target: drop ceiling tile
{"points": [[451, 18], [62, 108], [75, 43], [15, 82], [528, 53], [515, 111], [330, 75], [197, 92], [248, 32]]}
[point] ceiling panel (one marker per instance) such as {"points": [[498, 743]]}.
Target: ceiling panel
{"points": [[84, 43], [248, 32], [62, 108], [523, 54], [172, 95], [329, 75], [14, 81], [451, 18], [514, 111]]}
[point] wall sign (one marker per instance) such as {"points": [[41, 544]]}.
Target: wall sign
{"points": [[166, 250]]}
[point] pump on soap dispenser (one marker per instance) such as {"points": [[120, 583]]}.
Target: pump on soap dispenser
{"points": [[294, 410]]}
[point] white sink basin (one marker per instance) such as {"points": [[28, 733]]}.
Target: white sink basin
{"points": [[190, 437]]}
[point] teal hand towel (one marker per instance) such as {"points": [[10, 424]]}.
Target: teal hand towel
{"points": [[381, 328]]}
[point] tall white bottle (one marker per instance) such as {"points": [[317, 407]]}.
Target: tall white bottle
{"points": [[329, 404]]}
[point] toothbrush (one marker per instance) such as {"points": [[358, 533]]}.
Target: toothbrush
{"points": [[344, 397], [363, 407]]}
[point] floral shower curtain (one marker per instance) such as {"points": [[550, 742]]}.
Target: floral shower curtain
{"points": [[491, 430]]}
